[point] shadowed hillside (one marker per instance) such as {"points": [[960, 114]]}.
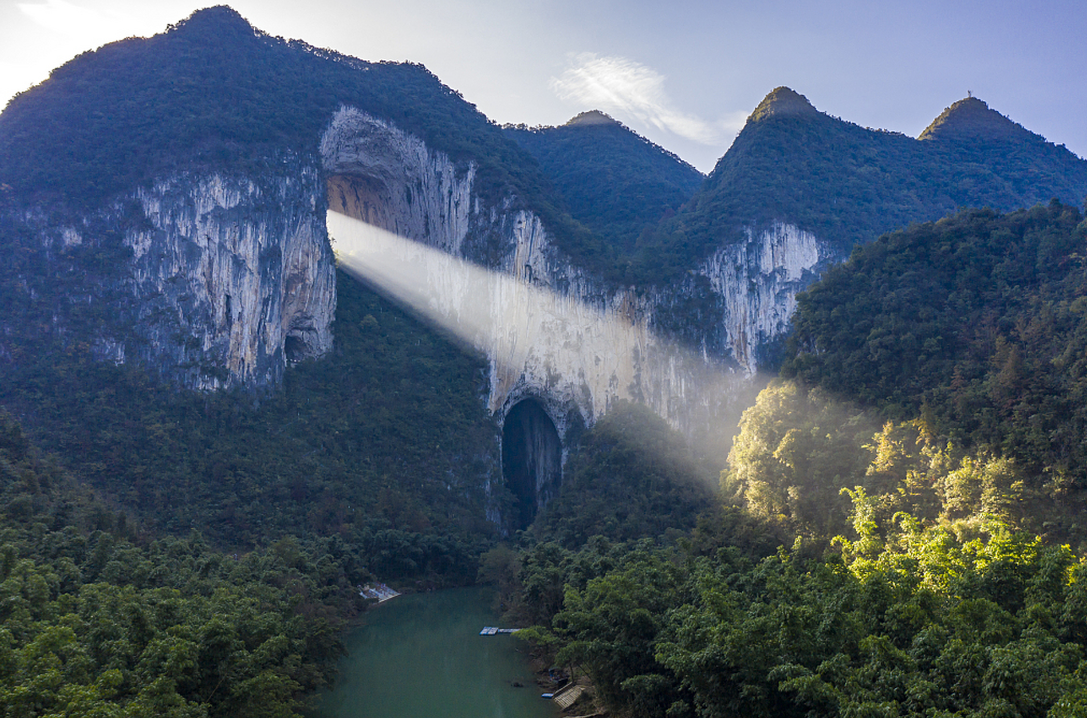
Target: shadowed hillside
{"points": [[848, 184], [613, 181]]}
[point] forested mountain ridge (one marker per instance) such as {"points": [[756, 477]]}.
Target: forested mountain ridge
{"points": [[946, 359], [848, 184], [970, 119], [615, 182], [927, 459], [214, 91]]}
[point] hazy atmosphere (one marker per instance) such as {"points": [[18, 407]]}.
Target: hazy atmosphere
{"points": [[652, 360], [685, 75]]}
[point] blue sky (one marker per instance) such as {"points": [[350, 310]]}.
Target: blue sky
{"points": [[683, 74]]}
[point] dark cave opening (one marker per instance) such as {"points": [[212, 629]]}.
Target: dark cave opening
{"points": [[531, 459], [295, 348]]}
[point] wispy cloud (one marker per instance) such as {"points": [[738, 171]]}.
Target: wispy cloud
{"points": [[625, 88]]}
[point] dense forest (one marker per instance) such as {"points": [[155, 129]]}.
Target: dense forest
{"points": [[898, 530], [878, 550], [97, 621], [212, 92], [974, 325], [971, 618], [848, 184], [617, 184]]}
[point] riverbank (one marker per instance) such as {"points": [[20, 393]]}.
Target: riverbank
{"points": [[422, 655], [585, 705]]}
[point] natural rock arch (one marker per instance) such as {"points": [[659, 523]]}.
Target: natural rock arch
{"points": [[390, 179], [531, 459]]}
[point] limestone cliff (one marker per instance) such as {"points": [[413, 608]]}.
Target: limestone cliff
{"points": [[242, 266], [392, 180], [685, 350], [758, 280], [225, 278], [549, 329], [230, 277]]}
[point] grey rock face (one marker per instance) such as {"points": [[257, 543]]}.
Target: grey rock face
{"points": [[550, 330], [757, 282], [390, 179], [229, 277], [232, 277], [242, 267]]}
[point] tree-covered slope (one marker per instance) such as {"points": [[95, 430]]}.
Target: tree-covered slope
{"points": [[613, 181], [98, 620], [968, 618], [629, 477], [848, 184], [974, 325], [214, 92], [385, 443]]}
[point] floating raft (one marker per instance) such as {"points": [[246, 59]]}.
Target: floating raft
{"points": [[494, 630], [380, 592]]}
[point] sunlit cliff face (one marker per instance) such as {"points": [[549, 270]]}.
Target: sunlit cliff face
{"points": [[498, 314], [527, 331], [520, 327]]}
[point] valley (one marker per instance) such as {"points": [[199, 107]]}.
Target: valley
{"points": [[800, 437]]}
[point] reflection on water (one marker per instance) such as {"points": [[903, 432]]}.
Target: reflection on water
{"points": [[421, 656]]}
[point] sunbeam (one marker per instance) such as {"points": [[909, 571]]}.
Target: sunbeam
{"points": [[581, 354], [522, 327]]}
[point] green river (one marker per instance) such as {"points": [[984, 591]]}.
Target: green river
{"points": [[421, 656]]}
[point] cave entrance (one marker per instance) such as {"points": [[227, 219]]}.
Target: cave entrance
{"points": [[364, 198], [531, 459]]}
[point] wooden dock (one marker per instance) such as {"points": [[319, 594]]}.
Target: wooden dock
{"points": [[567, 696]]}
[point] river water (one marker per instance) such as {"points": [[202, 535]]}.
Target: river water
{"points": [[421, 656]]}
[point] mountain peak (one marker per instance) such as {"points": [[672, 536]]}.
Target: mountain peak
{"points": [[783, 102], [971, 118], [592, 117], [217, 20]]}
